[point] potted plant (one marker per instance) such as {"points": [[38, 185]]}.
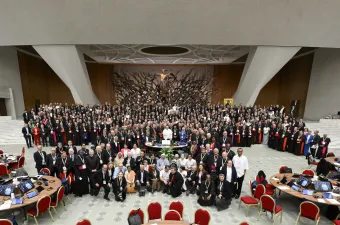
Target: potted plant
{"points": [[168, 152]]}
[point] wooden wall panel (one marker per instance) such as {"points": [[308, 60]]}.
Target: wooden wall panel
{"points": [[227, 78], [101, 81]]}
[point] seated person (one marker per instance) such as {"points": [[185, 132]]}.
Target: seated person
{"points": [[118, 169], [164, 179], [175, 182], [130, 176], [154, 179], [129, 161], [119, 187], [207, 192], [142, 178], [118, 160], [190, 182], [184, 174], [223, 194], [322, 167], [162, 162]]}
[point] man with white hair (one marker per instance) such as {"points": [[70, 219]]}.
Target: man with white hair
{"points": [[51, 162], [71, 161], [107, 154], [92, 165], [162, 162], [100, 156]]}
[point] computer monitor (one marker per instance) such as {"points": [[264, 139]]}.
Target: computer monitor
{"points": [[304, 182], [26, 186], [6, 190], [323, 186]]}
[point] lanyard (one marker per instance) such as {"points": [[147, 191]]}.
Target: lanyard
{"points": [[63, 161], [82, 160], [207, 187]]}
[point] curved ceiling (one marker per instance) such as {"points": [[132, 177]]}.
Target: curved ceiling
{"points": [[303, 23], [194, 54]]}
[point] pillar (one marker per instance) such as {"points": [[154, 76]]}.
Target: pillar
{"points": [[262, 64], [69, 64]]}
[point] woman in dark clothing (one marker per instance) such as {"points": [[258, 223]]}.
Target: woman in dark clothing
{"points": [[207, 192], [81, 184], [223, 194], [322, 168], [200, 175], [119, 187]]}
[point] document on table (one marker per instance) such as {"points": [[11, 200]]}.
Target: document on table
{"points": [[6, 205], [333, 201], [274, 178], [321, 200], [283, 187]]}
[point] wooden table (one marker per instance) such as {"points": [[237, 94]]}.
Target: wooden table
{"points": [[275, 181], [332, 161], [168, 222], [53, 182], [149, 145]]}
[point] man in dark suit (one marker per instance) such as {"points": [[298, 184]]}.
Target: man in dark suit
{"points": [[142, 178], [315, 143], [40, 158], [43, 134], [101, 179], [51, 162], [26, 131], [191, 181], [25, 115], [230, 174]]}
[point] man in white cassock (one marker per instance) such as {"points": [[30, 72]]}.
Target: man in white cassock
{"points": [[167, 133]]}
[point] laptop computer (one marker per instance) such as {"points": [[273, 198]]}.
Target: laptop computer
{"points": [[6, 190]]}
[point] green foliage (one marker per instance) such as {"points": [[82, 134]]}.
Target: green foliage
{"points": [[168, 152]]}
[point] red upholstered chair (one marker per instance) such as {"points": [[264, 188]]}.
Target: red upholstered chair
{"points": [[60, 196], [5, 222], [202, 217], [308, 172], [251, 201], [42, 206], [282, 168], [330, 154], [244, 223], [84, 222], [154, 211], [140, 213], [46, 170], [178, 206], [4, 171], [172, 215], [336, 222], [309, 210], [1, 152], [268, 204], [18, 165]]}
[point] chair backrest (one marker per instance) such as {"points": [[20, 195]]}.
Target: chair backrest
{"points": [[1, 152], [43, 204], [21, 161], [244, 223], [250, 187], [308, 172], [45, 170], [84, 222], [140, 213], [60, 194], [5, 222], [282, 168], [202, 217], [3, 170], [154, 211], [172, 215], [309, 210], [330, 154], [268, 203], [23, 151], [178, 206], [259, 191]]}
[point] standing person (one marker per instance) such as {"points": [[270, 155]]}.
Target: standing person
{"points": [[300, 143], [323, 147], [101, 179], [44, 133], [241, 165], [92, 164], [40, 158], [309, 138], [265, 135], [26, 131], [230, 174], [292, 140], [223, 194], [51, 163], [315, 143], [81, 185], [36, 135], [119, 187]]}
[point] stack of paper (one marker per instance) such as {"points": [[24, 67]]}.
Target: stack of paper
{"points": [[6, 205]]}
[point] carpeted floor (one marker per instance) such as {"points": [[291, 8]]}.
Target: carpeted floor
{"points": [[100, 211]]}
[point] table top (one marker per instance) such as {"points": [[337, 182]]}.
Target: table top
{"points": [[332, 161], [167, 222], [275, 181], [53, 182], [164, 146]]}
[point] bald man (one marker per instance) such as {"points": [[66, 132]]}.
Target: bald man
{"points": [[101, 179]]}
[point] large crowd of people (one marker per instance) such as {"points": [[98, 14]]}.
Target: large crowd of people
{"points": [[116, 135]]}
